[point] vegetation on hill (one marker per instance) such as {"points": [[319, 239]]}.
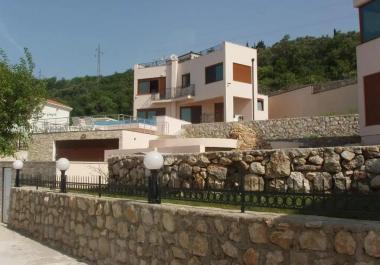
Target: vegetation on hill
{"points": [[301, 61], [307, 60], [113, 94]]}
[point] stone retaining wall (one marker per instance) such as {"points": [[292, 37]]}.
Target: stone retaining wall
{"points": [[337, 127], [112, 231], [347, 168]]}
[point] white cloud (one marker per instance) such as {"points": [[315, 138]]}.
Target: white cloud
{"points": [[4, 33]]}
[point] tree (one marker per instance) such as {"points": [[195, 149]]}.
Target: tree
{"points": [[21, 98]]}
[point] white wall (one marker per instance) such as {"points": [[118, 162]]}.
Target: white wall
{"points": [[302, 102], [88, 169], [135, 140], [170, 126], [262, 115], [368, 57]]}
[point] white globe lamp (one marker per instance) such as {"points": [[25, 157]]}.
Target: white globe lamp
{"points": [[153, 160], [63, 164]]}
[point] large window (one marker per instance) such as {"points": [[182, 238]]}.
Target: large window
{"points": [[370, 21], [150, 113], [214, 73], [150, 86], [191, 114]]}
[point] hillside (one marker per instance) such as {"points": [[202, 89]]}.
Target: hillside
{"points": [[286, 63]]}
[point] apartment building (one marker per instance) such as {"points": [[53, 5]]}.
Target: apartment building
{"points": [[215, 85], [368, 60]]}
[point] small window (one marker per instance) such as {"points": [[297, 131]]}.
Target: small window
{"points": [[144, 87], [260, 104], [185, 80], [214, 73]]}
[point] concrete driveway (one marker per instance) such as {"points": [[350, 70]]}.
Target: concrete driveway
{"points": [[16, 249]]}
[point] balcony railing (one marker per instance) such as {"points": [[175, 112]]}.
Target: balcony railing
{"points": [[178, 92]]}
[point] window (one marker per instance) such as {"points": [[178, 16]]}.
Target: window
{"points": [[149, 86], [191, 114], [214, 73], [150, 113], [371, 99], [185, 80], [242, 73], [370, 21], [260, 104]]}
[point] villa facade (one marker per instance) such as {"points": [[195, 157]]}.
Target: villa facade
{"points": [[215, 85], [368, 58]]}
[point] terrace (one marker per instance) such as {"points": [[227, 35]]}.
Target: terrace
{"points": [[98, 122]]}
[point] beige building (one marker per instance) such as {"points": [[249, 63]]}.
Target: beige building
{"points": [[368, 57], [215, 85], [333, 98]]}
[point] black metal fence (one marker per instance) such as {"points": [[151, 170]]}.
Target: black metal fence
{"points": [[329, 198]]}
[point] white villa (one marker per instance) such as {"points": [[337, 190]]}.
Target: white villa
{"points": [[215, 85]]}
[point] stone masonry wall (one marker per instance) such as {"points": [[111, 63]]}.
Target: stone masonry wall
{"points": [[347, 168], [284, 129], [113, 231]]}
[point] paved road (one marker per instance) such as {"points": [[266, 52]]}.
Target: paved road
{"points": [[16, 249]]}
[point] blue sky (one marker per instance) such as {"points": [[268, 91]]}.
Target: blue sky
{"points": [[63, 34]]}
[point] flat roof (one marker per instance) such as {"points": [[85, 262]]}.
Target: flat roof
{"points": [[359, 3]]}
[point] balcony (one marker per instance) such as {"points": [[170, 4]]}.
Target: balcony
{"points": [[175, 94]]}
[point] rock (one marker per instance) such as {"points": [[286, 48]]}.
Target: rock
{"points": [[200, 246], [203, 161], [169, 160], [316, 160], [253, 183], [298, 183], [345, 243], [217, 171], [122, 229], [298, 258], [278, 165], [362, 187], [194, 261], [257, 168], [219, 226], [234, 232], [199, 182], [140, 234], [184, 241], [258, 233], [251, 257], [178, 253], [230, 250], [357, 162], [373, 165], [81, 204], [313, 240], [185, 170], [103, 247], [282, 238], [201, 226], [322, 181], [131, 214], [274, 258], [116, 210], [375, 182], [341, 183], [146, 217], [371, 152], [372, 244], [168, 222], [307, 168], [332, 162], [277, 185], [225, 161], [347, 155]]}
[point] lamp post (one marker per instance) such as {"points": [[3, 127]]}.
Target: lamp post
{"points": [[18, 164], [153, 161], [63, 164]]}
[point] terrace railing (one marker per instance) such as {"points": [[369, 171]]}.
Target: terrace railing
{"points": [[175, 93], [328, 198]]}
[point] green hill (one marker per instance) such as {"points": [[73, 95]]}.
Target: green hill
{"points": [[286, 63]]}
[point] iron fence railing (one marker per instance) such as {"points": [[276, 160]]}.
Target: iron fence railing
{"points": [[328, 198]]}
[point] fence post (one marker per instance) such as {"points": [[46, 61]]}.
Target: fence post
{"points": [[242, 192], [100, 186], [37, 180]]}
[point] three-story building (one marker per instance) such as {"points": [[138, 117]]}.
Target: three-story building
{"points": [[216, 85]]}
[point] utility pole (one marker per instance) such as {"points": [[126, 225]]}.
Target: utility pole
{"points": [[98, 55]]}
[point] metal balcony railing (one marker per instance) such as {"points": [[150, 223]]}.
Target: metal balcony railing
{"points": [[178, 92]]}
